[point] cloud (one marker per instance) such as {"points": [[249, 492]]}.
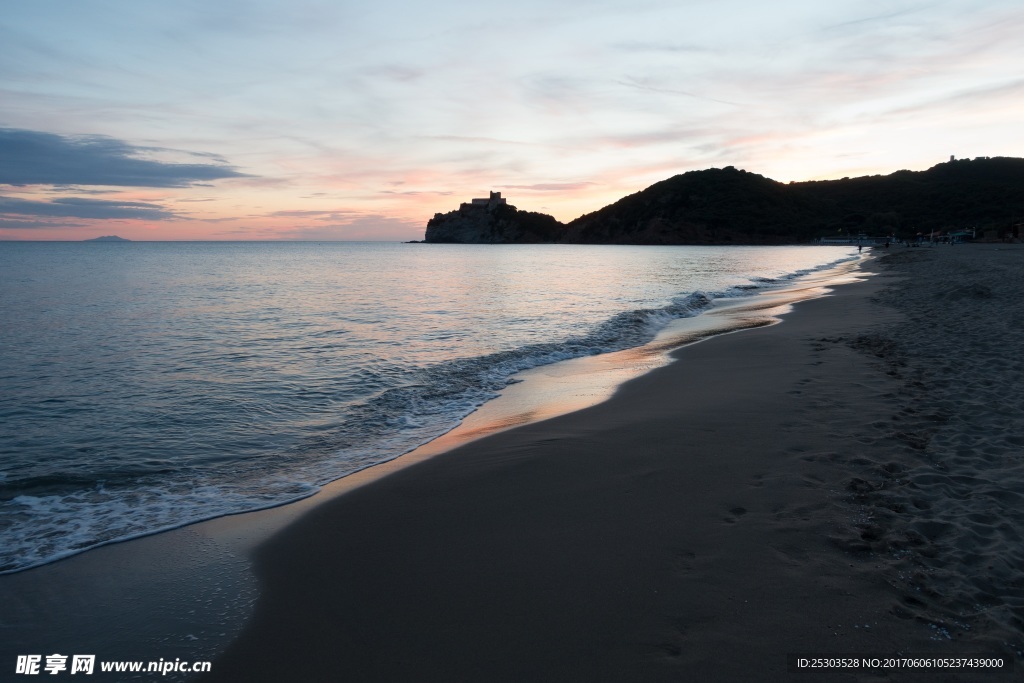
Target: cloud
{"points": [[635, 83], [81, 207], [365, 227], [476, 139], [642, 46], [369, 228], [30, 157], [549, 187], [16, 224], [395, 72], [878, 18], [974, 96], [306, 213], [416, 193], [75, 189]]}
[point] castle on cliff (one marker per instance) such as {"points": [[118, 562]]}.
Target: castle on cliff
{"points": [[489, 204]]}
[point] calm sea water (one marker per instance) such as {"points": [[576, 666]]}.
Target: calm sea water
{"points": [[144, 386]]}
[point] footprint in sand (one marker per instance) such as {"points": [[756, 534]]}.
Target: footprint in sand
{"points": [[734, 514]]}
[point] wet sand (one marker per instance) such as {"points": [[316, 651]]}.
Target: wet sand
{"points": [[847, 481], [185, 594]]}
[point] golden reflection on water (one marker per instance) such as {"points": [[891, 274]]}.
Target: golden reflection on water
{"points": [[548, 391]]}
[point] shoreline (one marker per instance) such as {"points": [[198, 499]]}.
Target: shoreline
{"points": [[585, 546], [551, 389], [598, 379], [205, 565], [714, 516], [556, 550]]}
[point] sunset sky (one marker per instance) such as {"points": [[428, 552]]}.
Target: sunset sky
{"points": [[321, 120]]}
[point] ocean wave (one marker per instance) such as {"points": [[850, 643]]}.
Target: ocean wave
{"points": [[45, 517]]}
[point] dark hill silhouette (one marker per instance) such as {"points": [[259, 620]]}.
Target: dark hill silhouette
{"points": [[731, 206], [719, 205], [498, 224]]}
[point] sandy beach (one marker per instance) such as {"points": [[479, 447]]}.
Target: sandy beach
{"points": [[846, 482], [533, 343]]}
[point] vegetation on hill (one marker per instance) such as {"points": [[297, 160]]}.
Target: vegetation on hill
{"points": [[500, 224], [984, 193], [731, 206], [701, 207]]}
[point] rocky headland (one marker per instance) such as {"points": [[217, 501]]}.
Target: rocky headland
{"points": [[492, 221], [733, 206]]}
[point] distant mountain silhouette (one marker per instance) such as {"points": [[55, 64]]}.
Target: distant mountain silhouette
{"points": [[730, 206], [107, 238]]}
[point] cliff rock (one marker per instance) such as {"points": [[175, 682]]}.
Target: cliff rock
{"points": [[492, 224]]}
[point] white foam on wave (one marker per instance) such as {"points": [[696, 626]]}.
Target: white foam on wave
{"points": [[52, 527], [45, 528]]}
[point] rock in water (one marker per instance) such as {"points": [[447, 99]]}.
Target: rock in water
{"points": [[492, 221]]}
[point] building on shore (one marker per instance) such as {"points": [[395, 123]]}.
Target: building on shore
{"points": [[490, 203]]}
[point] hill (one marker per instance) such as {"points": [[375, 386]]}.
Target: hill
{"points": [[715, 206], [731, 206]]}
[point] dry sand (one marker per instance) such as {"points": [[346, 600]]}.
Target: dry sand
{"points": [[847, 481]]}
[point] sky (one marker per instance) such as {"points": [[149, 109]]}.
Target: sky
{"points": [[339, 120]]}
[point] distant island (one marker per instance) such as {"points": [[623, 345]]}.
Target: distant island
{"points": [[107, 238], [731, 206]]}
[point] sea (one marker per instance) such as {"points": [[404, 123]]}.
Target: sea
{"points": [[149, 385]]}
